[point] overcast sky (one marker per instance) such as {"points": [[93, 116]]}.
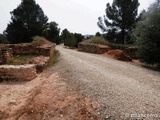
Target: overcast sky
{"points": [[79, 16]]}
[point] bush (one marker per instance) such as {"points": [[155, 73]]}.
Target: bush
{"points": [[96, 40], [148, 36]]}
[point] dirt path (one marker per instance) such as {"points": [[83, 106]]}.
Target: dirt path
{"points": [[121, 88]]}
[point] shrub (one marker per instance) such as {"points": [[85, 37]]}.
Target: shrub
{"points": [[148, 36], [96, 40]]}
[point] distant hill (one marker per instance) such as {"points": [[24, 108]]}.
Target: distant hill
{"points": [[87, 35]]}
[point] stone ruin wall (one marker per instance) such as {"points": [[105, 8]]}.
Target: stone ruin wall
{"points": [[100, 49], [91, 48], [18, 72], [7, 52], [28, 48], [22, 72]]}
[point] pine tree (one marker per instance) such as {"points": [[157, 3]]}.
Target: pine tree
{"points": [[27, 20], [52, 32], [120, 18]]}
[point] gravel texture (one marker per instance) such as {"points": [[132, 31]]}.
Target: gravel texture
{"points": [[122, 89]]}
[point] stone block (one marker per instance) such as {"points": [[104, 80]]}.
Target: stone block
{"points": [[21, 72]]}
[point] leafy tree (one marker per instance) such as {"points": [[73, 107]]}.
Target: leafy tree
{"points": [[52, 32], [68, 38], [147, 33], [120, 19], [27, 21], [64, 35], [79, 37]]}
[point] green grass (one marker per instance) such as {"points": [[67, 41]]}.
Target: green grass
{"points": [[53, 60], [99, 40]]}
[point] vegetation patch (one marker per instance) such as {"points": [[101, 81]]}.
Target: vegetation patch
{"points": [[102, 41], [53, 59], [96, 40], [39, 41]]}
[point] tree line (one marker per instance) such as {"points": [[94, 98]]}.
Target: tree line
{"points": [[28, 20], [121, 24]]}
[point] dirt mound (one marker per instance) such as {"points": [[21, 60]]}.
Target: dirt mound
{"points": [[40, 41], [119, 55]]}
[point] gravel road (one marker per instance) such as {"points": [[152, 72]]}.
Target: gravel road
{"points": [[122, 89]]}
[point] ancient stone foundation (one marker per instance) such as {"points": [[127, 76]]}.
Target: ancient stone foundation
{"points": [[27, 71], [18, 72], [29, 48], [93, 48]]}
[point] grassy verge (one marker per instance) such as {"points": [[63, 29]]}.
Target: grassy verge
{"points": [[54, 59]]}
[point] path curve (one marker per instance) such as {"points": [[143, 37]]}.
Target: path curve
{"points": [[121, 88]]}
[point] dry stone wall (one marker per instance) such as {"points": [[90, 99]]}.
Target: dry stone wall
{"points": [[28, 48], [93, 48], [23, 72], [6, 53], [19, 72]]}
